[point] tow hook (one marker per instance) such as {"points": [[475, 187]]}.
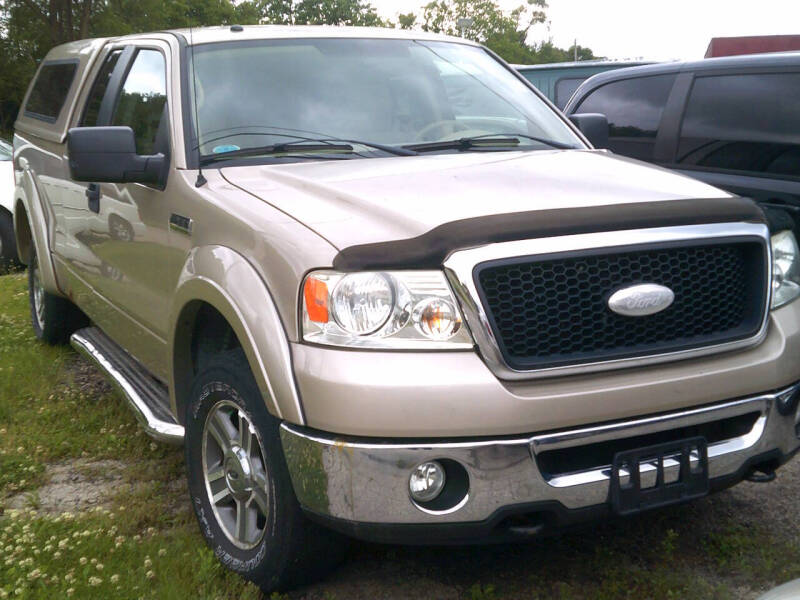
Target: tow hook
{"points": [[761, 475]]}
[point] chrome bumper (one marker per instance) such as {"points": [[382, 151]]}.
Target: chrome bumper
{"points": [[367, 481]]}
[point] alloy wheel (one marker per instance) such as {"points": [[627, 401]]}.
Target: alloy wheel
{"points": [[235, 474]]}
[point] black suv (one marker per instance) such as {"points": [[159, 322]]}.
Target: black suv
{"points": [[731, 122]]}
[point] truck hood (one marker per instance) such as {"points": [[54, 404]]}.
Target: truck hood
{"points": [[355, 202]]}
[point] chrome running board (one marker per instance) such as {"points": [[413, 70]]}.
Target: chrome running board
{"points": [[148, 398]]}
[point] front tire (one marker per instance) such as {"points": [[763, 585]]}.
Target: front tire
{"points": [[54, 318], [240, 486]]}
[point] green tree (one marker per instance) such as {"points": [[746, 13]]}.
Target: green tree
{"points": [[506, 33], [318, 12], [407, 21], [488, 20]]}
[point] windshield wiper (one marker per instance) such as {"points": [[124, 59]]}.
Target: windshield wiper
{"points": [[396, 150], [283, 148], [491, 140], [303, 147]]}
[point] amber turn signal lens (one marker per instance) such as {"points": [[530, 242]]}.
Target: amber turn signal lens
{"points": [[315, 293], [436, 319]]}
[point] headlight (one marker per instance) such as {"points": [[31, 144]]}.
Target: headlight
{"points": [[389, 310], [785, 268]]}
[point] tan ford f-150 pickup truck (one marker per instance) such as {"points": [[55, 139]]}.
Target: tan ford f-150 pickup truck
{"points": [[376, 284]]}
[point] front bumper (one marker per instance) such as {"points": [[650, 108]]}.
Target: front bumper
{"points": [[361, 483]]}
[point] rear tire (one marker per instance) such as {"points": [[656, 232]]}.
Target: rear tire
{"points": [[8, 244], [240, 486], [54, 318]]}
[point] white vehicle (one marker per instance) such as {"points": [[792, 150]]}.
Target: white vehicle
{"points": [[8, 244]]}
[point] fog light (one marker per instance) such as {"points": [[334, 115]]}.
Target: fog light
{"points": [[426, 481]]}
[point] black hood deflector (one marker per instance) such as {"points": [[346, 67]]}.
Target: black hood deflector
{"points": [[429, 250]]}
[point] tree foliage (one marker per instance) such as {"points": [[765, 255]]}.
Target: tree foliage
{"points": [[487, 20], [504, 32]]}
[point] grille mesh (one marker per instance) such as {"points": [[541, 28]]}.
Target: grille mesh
{"points": [[550, 312]]}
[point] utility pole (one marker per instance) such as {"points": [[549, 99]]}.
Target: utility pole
{"points": [[463, 24], [575, 47]]}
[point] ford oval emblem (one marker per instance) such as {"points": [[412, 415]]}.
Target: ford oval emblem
{"points": [[641, 300]]}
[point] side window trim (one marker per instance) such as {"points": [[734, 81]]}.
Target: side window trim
{"points": [[669, 128], [115, 86]]}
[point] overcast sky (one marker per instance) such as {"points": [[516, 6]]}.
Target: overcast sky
{"points": [[663, 30]]}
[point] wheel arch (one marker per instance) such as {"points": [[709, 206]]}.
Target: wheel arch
{"points": [[216, 280]]}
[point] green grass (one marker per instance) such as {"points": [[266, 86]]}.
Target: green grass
{"points": [[145, 542]]}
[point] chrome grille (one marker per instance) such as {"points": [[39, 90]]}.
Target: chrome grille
{"points": [[550, 311], [742, 248]]}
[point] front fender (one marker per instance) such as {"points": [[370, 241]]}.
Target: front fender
{"points": [[224, 279]]}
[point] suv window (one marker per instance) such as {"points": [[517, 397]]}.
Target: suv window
{"points": [[144, 95], [743, 123], [50, 90], [6, 151], [99, 87], [565, 88], [634, 108]]}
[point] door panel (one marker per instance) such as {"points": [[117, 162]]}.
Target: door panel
{"points": [[133, 220], [125, 235]]}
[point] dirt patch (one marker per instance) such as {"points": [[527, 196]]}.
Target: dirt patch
{"points": [[87, 379], [74, 486]]}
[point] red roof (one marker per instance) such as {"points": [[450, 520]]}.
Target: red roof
{"points": [[757, 44]]}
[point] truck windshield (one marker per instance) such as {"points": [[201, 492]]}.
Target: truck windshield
{"points": [[386, 92]]}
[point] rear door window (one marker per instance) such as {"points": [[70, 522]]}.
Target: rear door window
{"points": [[745, 122], [634, 108], [50, 90], [142, 99]]}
